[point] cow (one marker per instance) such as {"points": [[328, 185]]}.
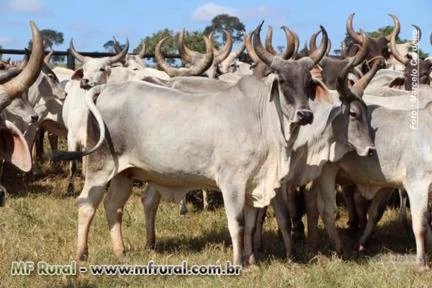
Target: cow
{"points": [[199, 147], [342, 127], [95, 71], [13, 147], [397, 164], [378, 46]]}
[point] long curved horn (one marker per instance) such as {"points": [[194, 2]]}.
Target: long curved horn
{"points": [[319, 53], [354, 35], [312, 41], [361, 84], [75, 53], [396, 28], [226, 50], [290, 48], [116, 44], [141, 53], [194, 69], [262, 53], [31, 71], [47, 58], [296, 43], [419, 34], [120, 56], [329, 46], [363, 51], [185, 53], [399, 57], [269, 40], [242, 47], [250, 49], [345, 94]]}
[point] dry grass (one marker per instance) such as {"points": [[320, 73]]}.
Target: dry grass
{"points": [[39, 224]]}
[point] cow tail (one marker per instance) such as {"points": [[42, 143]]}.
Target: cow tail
{"points": [[91, 106]]}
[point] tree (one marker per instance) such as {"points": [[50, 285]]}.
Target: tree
{"points": [[109, 46], [51, 38], [1, 55], [225, 22]]}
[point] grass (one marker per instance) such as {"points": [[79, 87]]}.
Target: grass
{"points": [[39, 224]]}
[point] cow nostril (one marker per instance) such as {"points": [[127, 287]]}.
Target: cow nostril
{"points": [[371, 152], [305, 116], [34, 118]]}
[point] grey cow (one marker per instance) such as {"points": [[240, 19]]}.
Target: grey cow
{"points": [[237, 140]]}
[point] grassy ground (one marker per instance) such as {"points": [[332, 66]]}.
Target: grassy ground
{"points": [[39, 224]]}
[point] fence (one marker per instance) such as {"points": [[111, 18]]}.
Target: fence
{"points": [[70, 59]]}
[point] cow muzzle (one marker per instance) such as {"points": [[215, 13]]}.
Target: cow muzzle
{"points": [[85, 84], [368, 151], [303, 116]]}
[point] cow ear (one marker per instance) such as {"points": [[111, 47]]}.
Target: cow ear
{"points": [[13, 147], [397, 83], [78, 74], [320, 92], [274, 82]]}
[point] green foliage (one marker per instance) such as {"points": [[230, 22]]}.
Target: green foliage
{"points": [[225, 22], [109, 46], [51, 38]]}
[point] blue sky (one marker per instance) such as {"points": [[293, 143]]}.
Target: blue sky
{"points": [[93, 22]]}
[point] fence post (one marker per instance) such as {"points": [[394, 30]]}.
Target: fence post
{"points": [[70, 60]]}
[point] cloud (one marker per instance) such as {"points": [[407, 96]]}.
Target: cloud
{"points": [[26, 5], [208, 11], [4, 40]]}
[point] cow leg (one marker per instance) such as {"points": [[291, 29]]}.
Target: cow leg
{"points": [[361, 207], [258, 243], [150, 198], [205, 200], [418, 197], [296, 207], [312, 217], [39, 150], [403, 197], [375, 212], [234, 201], [72, 146], [326, 203], [183, 210], [88, 201], [118, 193], [348, 196], [251, 214], [283, 218]]}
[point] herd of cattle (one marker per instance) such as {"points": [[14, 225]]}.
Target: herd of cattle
{"points": [[259, 132]]}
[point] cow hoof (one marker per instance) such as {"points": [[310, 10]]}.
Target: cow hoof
{"points": [[421, 268]]}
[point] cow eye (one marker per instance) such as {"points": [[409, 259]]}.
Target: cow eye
{"points": [[353, 114], [51, 76], [102, 69]]}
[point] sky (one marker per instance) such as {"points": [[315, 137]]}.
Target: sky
{"points": [[91, 23]]}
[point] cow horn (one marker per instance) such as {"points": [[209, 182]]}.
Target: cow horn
{"points": [[290, 48], [354, 35], [242, 47], [345, 94], [194, 69], [116, 44], [361, 84], [396, 28], [319, 53], [262, 53], [9, 74], [141, 53], [31, 71], [226, 50], [48, 57], [430, 38], [75, 53], [120, 56], [395, 52], [185, 53], [268, 41], [419, 34], [250, 49], [312, 41], [296, 43], [363, 51]]}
